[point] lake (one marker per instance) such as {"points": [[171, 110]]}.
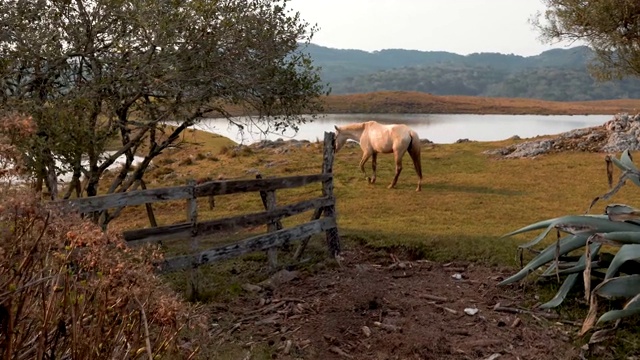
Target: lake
{"points": [[439, 128]]}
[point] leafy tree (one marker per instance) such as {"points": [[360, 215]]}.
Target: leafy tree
{"points": [[610, 27], [94, 73]]}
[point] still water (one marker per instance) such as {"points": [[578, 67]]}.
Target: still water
{"points": [[439, 128]]}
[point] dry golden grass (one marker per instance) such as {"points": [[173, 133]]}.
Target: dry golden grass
{"points": [[468, 200], [417, 102]]}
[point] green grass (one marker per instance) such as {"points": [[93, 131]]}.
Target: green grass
{"points": [[467, 202]]}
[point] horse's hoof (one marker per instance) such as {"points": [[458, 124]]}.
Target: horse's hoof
{"points": [[390, 187], [368, 179]]}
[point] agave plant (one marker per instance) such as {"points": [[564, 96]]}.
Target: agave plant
{"points": [[618, 227]]}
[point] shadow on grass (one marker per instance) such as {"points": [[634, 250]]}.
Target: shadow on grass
{"points": [[443, 186], [490, 251]]}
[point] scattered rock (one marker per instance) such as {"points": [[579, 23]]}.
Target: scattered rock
{"points": [[366, 331], [460, 141], [471, 311], [616, 135], [280, 146], [531, 148]]}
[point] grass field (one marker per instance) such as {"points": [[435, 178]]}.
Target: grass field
{"points": [[468, 201]]}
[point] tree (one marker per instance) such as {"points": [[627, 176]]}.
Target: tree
{"points": [[610, 27], [94, 73]]}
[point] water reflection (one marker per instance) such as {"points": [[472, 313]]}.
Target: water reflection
{"points": [[439, 128]]}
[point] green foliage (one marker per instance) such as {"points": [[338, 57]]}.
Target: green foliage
{"points": [[618, 227], [559, 74], [93, 74], [609, 27]]}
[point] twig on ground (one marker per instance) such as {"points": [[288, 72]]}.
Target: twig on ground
{"points": [[433, 297], [340, 352], [146, 328], [512, 310], [443, 307]]}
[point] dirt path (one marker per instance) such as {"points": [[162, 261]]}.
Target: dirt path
{"points": [[412, 310]]}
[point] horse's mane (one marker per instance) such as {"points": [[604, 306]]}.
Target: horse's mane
{"points": [[354, 126]]}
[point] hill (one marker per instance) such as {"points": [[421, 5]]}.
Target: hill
{"points": [[557, 74]]}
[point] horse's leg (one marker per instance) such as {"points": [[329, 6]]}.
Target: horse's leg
{"points": [[374, 166], [365, 156], [398, 157]]}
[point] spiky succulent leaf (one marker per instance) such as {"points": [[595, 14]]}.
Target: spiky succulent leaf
{"points": [[569, 282], [619, 287], [626, 253], [623, 237], [626, 164], [567, 244], [632, 307], [621, 212], [574, 224]]}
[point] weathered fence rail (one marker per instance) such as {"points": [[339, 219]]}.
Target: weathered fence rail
{"points": [[193, 229]]}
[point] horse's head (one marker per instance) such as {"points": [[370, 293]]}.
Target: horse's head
{"points": [[341, 138]]}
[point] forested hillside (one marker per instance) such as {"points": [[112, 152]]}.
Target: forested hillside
{"points": [[559, 74]]}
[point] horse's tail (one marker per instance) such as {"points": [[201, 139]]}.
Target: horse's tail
{"points": [[414, 152]]}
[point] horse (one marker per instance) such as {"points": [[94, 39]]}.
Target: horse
{"points": [[376, 138]]}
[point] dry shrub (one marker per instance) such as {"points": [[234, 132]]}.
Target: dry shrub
{"points": [[14, 129], [70, 291]]}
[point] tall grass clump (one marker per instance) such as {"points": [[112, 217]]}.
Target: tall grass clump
{"points": [[70, 291]]}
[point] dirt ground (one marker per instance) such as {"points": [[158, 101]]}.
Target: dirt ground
{"points": [[373, 308]]}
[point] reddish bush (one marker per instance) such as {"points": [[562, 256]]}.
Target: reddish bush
{"points": [[70, 291]]}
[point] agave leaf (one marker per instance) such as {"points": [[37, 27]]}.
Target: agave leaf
{"points": [[626, 164], [567, 244], [627, 161], [574, 224], [623, 286], [624, 237], [573, 269], [569, 282], [535, 226], [632, 307], [626, 253], [621, 212], [550, 271]]}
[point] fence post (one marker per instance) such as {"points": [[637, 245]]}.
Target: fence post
{"points": [[192, 218], [269, 203], [152, 217], [333, 238], [192, 214]]}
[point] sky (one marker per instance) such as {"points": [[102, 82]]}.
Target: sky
{"points": [[458, 26]]}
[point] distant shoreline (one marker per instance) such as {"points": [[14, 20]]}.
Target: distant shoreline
{"points": [[411, 102], [399, 102]]}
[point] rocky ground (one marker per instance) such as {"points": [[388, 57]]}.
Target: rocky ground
{"points": [[616, 135]]}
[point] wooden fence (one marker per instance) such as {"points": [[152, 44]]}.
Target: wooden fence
{"points": [[323, 219]]}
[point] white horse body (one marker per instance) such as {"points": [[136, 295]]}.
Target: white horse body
{"points": [[375, 138]]}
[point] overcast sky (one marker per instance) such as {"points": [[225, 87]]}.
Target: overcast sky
{"points": [[459, 26]]}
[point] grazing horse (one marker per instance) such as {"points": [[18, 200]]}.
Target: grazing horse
{"points": [[375, 138]]}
